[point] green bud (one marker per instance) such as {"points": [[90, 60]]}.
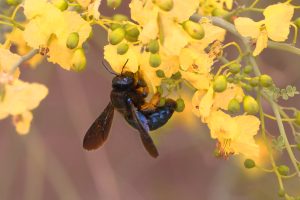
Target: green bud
{"points": [[254, 81], [298, 147], [220, 83], [283, 170], [60, 4], [248, 69], [113, 3], [153, 46], [195, 30], [247, 87], [155, 60], [281, 193], [78, 60], [219, 12], [162, 102], [235, 68], [119, 18], [265, 80], [165, 5], [180, 105], [249, 163], [72, 40], [297, 118], [250, 105], [122, 48], [230, 79], [116, 36], [160, 73], [297, 22], [234, 106], [13, 2], [176, 76]]}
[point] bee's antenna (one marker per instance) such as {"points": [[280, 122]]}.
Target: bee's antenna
{"points": [[124, 66], [107, 69]]}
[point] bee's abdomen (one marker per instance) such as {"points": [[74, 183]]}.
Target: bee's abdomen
{"points": [[161, 115]]}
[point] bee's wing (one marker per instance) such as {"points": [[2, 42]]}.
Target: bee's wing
{"points": [[99, 130], [144, 132]]}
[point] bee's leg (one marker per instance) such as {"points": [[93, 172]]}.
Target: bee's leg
{"points": [[150, 107]]}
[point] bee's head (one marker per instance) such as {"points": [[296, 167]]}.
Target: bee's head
{"points": [[123, 81]]}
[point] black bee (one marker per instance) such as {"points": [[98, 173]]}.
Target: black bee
{"points": [[128, 97]]}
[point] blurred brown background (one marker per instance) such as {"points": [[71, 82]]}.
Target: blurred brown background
{"points": [[49, 163]]}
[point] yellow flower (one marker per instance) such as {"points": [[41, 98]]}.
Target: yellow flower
{"points": [[22, 122], [21, 97], [49, 27], [156, 22], [275, 26], [235, 135], [205, 102]]}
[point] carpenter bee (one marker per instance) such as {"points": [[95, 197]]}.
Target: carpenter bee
{"points": [[128, 97]]}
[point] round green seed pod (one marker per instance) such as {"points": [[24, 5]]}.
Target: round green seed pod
{"points": [[60, 4], [180, 105], [72, 40], [153, 46], [250, 105], [297, 22], [116, 36], [248, 69], [230, 79], [265, 80], [298, 147], [160, 73], [114, 26], [78, 60], [235, 68], [195, 30], [234, 106], [113, 3], [122, 48], [283, 170], [154, 60], [131, 33], [165, 5], [247, 87], [219, 12], [119, 18], [249, 163], [220, 83]]}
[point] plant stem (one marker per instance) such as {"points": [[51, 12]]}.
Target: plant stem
{"points": [[23, 59]]}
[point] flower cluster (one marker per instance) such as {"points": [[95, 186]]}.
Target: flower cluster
{"points": [[171, 44]]}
